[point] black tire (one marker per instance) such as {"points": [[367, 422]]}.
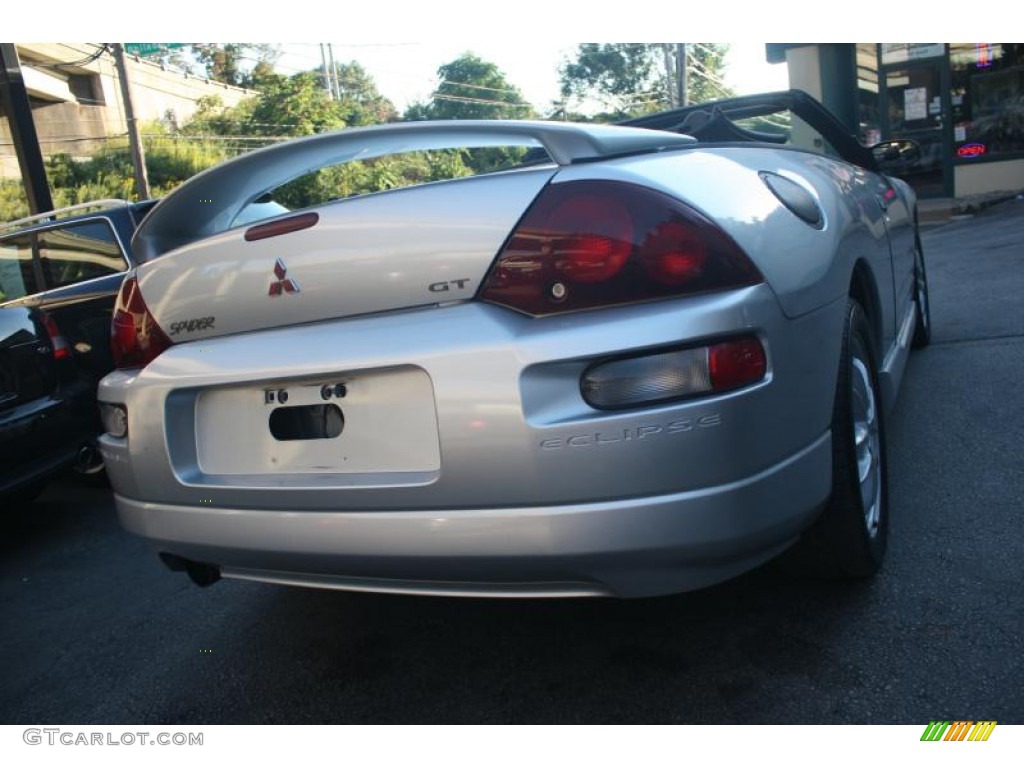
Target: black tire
{"points": [[922, 302], [849, 539]]}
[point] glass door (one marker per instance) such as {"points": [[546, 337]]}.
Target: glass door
{"points": [[914, 108]]}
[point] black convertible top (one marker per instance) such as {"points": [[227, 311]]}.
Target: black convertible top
{"points": [[712, 121]]}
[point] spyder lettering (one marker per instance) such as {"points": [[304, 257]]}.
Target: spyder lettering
{"points": [[191, 326]]}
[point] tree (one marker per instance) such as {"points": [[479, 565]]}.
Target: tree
{"points": [[259, 75], [361, 102], [300, 106], [223, 63], [295, 106], [619, 75], [226, 62], [470, 88], [176, 58], [706, 69], [636, 78]]}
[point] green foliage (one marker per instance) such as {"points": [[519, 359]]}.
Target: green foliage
{"points": [[13, 202], [631, 79], [170, 160], [417, 111], [620, 75], [367, 176], [473, 89], [361, 102], [223, 62], [287, 106], [706, 69], [227, 62], [296, 106]]}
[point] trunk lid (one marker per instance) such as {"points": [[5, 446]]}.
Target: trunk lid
{"points": [[412, 247]]}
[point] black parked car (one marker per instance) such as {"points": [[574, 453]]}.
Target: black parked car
{"points": [[59, 276]]}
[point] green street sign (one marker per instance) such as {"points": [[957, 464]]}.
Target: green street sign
{"points": [[148, 49]]}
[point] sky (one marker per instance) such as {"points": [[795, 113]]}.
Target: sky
{"points": [[402, 43], [407, 72]]}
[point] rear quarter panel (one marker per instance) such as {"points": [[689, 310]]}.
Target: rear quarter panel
{"points": [[806, 267]]}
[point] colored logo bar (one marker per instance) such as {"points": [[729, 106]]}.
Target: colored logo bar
{"points": [[958, 730]]}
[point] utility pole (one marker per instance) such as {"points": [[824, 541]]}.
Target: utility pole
{"points": [[328, 86], [15, 101], [670, 74], [134, 139], [681, 95], [334, 73]]}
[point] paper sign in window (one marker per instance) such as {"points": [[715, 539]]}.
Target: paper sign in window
{"points": [[915, 104]]}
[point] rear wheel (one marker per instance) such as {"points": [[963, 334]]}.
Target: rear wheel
{"points": [[922, 306], [849, 538]]}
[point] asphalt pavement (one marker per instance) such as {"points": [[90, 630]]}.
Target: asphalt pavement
{"points": [[96, 631]]}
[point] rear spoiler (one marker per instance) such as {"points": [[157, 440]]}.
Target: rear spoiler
{"points": [[209, 202]]}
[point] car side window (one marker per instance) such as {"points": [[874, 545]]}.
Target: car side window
{"points": [[17, 278], [79, 252]]}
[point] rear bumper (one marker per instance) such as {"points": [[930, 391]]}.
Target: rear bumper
{"points": [[626, 548]]}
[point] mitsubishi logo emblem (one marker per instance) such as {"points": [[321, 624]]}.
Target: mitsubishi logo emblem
{"points": [[282, 284]]}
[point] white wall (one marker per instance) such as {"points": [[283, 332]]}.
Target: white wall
{"points": [[1007, 176]]}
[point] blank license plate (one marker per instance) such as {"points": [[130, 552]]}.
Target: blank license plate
{"points": [[379, 421]]}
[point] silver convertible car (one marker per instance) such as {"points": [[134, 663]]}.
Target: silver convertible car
{"points": [[644, 359]]}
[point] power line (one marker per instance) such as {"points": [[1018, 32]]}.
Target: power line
{"points": [[104, 48], [470, 100], [480, 87]]}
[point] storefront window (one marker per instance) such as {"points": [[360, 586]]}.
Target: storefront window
{"points": [[869, 127], [914, 110], [987, 98]]}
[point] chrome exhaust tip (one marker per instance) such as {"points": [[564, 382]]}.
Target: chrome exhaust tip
{"points": [[89, 461], [202, 574]]}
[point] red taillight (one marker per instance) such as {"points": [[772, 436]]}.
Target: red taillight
{"points": [[588, 244], [595, 237], [674, 254], [735, 364], [135, 338], [59, 345]]}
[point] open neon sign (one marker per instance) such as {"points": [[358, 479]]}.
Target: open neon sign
{"points": [[972, 150], [984, 55]]}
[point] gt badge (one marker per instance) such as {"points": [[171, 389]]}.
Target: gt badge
{"points": [[282, 284]]}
